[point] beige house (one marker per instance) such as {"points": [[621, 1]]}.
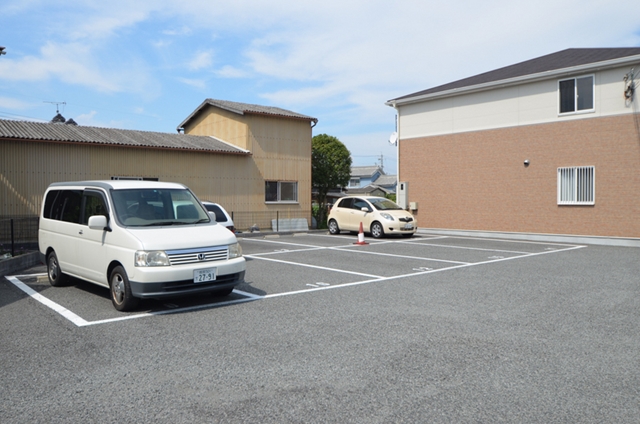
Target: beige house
{"points": [[546, 146], [254, 160]]}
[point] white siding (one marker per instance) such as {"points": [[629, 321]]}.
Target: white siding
{"points": [[502, 107]]}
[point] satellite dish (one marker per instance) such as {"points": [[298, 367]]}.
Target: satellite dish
{"points": [[393, 138]]}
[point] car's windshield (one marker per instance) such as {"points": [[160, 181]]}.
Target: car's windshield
{"points": [[384, 204], [154, 207]]}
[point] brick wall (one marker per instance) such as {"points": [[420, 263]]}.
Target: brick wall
{"points": [[478, 181]]}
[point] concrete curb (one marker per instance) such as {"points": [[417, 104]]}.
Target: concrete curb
{"points": [[18, 263]]}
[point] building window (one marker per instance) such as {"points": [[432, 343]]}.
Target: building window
{"points": [[576, 94], [354, 182], [577, 185], [281, 191]]}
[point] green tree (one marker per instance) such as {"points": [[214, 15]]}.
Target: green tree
{"points": [[330, 168]]}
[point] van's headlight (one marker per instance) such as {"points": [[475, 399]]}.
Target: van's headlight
{"points": [[235, 251], [386, 216], [151, 258]]}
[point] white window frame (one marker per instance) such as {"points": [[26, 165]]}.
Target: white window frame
{"points": [[279, 195], [354, 182], [577, 185], [575, 110]]}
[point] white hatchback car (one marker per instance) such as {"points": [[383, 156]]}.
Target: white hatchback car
{"points": [[222, 216], [378, 215]]}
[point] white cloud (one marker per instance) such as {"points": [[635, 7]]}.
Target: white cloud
{"points": [[15, 104], [201, 60], [196, 83], [229, 71]]}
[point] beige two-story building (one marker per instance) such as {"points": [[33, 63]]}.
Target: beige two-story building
{"points": [[546, 146]]}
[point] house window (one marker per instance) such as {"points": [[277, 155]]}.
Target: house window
{"points": [[576, 94], [280, 191], [577, 185], [354, 182]]}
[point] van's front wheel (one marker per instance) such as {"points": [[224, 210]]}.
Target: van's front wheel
{"points": [[120, 289]]}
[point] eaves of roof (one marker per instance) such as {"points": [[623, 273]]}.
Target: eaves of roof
{"points": [[60, 133], [246, 108], [365, 171], [565, 62]]}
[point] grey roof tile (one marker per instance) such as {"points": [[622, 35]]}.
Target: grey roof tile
{"points": [[555, 61], [365, 171], [244, 108], [25, 130]]}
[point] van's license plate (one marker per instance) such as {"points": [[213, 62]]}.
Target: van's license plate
{"points": [[204, 275]]}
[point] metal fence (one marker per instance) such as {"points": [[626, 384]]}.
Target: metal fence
{"points": [[18, 235], [271, 220]]}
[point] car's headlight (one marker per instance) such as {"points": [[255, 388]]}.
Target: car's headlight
{"points": [[235, 251], [151, 258], [386, 216]]}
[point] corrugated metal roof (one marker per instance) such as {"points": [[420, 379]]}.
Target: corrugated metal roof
{"points": [[24, 130], [246, 108], [555, 61]]}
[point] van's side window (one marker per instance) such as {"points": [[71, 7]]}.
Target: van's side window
{"points": [[93, 205], [50, 204], [71, 206]]}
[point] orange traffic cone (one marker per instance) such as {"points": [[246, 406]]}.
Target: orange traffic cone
{"points": [[361, 237]]}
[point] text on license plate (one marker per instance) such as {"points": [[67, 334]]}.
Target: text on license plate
{"points": [[408, 226], [203, 275]]}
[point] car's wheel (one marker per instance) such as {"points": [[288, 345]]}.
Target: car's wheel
{"points": [[120, 289], [56, 277], [223, 293], [333, 227], [376, 230]]}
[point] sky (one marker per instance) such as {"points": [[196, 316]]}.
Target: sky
{"points": [[147, 64]]}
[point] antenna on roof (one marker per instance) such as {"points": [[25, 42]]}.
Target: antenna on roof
{"points": [[57, 105]]}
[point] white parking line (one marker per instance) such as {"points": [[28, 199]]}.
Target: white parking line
{"points": [[324, 268], [249, 297]]}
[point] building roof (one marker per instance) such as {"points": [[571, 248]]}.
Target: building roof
{"points": [[386, 180], [365, 171], [371, 188], [569, 60], [246, 108], [48, 132]]}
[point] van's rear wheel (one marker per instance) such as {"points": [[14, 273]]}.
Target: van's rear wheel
{"points": [[120, 289], [56, 277]]}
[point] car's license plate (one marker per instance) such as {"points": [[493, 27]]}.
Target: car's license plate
{"points": [[204, 275], [408, 226]]}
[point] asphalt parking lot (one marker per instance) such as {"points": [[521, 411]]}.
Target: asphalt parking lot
{"points": [[428, 329]]}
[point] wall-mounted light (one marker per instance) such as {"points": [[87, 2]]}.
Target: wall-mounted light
{"points": [[526, 162]]}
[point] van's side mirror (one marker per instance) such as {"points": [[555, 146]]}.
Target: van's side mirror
{"points": [[212, 214], [98, 222]]}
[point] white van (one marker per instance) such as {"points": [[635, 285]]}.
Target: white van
{"points": [[140, 239]]}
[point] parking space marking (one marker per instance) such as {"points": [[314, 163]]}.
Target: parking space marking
{"points": [[414, 274], [324, 268], [350, 249], [81, 322], [249, 297]]}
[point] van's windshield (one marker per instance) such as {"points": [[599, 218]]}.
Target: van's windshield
{"points": [[156, 207]]}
